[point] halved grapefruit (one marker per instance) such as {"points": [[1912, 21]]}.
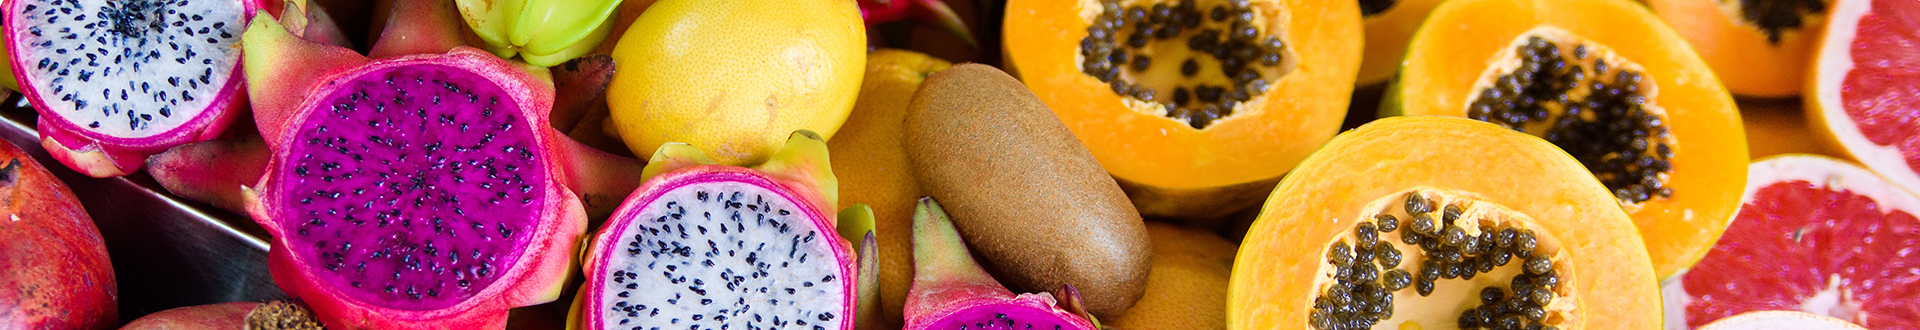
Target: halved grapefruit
{"points": [[1814, 234], [1781, 320], [1865, 91]]}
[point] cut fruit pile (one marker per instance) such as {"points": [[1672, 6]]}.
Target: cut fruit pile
{"points": [[1604, 81], [1108, 164]]}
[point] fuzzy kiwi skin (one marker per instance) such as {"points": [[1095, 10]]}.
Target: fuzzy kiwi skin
{"points": [[1025, 194]]}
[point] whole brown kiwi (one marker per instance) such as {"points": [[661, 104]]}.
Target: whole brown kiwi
{"points": [[1024, 193]]}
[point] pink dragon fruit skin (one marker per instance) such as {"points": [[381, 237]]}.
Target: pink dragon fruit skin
{"points": [[534, 276], [101, 154], [950, 290], [333, 251]]}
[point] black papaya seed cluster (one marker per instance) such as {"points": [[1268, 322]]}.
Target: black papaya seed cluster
{"points": [[1374, 7], [1226, 33], [1362, 295], [1604, 119], [1525, 309], [1775, 17]]}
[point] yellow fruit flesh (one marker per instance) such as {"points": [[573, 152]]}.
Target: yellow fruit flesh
{"points": [[1387, 36], [873, 169], [1187, 288]]}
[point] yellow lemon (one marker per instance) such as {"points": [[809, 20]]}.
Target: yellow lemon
{"points": [[735, 78]]}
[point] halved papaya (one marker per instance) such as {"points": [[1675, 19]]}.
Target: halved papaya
{"points": [[1431, 222], [1195, 106], [1389, 25], [1758, 47], [1647, 117]]}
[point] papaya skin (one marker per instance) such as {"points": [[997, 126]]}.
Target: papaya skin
{"points": [[1778, 127], [1461, 37], [1172, 170], [1276, 267], [1746, 62], [1387, 35]]}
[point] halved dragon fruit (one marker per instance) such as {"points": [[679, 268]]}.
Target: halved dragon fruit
{"points": [[213, 171], [117, 80], [419, 191], [702, 246], [951, 291]]}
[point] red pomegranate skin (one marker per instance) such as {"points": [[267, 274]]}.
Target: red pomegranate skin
{"points": [[54, 271], [228, 316]]}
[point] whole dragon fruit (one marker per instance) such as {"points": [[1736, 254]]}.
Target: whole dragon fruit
{"points": [[951, 291], [701, 246], [117, 80], [414, 191]]}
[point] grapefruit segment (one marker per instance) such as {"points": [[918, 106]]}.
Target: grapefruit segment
{"points": [[1866, 88], [1819, 235]]}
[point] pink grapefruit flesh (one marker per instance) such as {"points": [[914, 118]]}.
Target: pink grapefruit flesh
{"points": [[1866, 86], [1818, 235]]}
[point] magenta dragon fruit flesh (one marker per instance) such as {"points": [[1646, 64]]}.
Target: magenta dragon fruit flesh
{"points": [[950, 291], [115, 81], [701, 246], [420, 191]]}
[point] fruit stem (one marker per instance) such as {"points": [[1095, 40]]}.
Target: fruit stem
{"points": [[274, 104], [804, 160], [940, 258], [868, 317], [1071, 302]]}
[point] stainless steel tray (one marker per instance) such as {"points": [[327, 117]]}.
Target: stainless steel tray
{"points": [[167, 252]]}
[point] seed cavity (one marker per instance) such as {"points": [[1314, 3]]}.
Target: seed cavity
{"points": [[720, 255], [406, 213], [1360, 292], [1224, 55], [1775, 17], [1587, 100]]}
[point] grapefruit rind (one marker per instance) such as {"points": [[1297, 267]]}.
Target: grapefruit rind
{"points": [[1833, 61], [1835, 174], [1780, 320]]}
